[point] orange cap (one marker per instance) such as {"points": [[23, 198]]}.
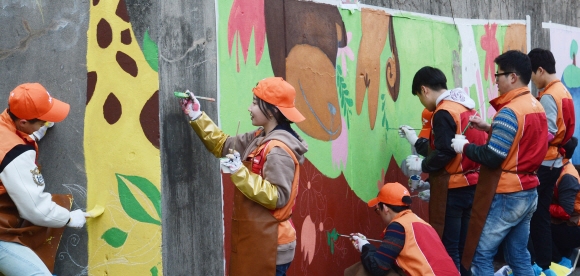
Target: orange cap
{"points": [[277, 91], [31, 101], [393, 194], [426, 121]]}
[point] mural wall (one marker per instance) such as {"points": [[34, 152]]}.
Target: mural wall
{"points": [[352, 70], [121, 142], [564, 45]]}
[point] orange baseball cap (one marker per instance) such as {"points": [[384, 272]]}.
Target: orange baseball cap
{"points": [[277, 91], [31, 101], [393, 194], [426, 121]]}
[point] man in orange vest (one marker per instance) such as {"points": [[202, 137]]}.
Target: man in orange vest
{"points": [[27, 211], [409, 243], [559, 107], [565, 210], [506, 195], [452, 177]]}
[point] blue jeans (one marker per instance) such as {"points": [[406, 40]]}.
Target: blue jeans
{"points": [[19, 260], [508, 219], [457, 214], [281, 269]]}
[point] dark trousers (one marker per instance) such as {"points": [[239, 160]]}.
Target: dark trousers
{"points": [[457, 214], [540, 245], [565, 238]]}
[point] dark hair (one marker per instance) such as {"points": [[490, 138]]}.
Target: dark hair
{"points": [[396, 209], [430, 77], [14, 118], [268, 108], [542, 58], [517, 62]]}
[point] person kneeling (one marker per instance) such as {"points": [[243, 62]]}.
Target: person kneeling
{"points": [[409, 242]]}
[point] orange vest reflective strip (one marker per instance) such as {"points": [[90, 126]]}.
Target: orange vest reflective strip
{"points": [[565, 120]]}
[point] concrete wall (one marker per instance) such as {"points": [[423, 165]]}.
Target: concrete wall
{"points": [[46, 42]]}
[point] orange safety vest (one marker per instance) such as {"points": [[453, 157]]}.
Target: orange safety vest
{"points": [[529, 145], [463, 172], [423, 253], [568, 168], [13, 228], [566, 119], [257, 231]]}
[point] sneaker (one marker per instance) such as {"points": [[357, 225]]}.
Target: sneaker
{"points": [[537, 269], [549, 272], [565, 262], [574, 257], [504, 271]]}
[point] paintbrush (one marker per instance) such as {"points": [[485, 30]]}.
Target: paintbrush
{"points": [[347, 236], [186, 95], [467, 126]]}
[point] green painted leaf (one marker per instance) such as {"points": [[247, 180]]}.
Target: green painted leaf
{"points": [[131, 205], [154, 271], [115, 237], [150, 51]]}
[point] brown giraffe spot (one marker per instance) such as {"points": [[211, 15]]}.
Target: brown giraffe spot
{"points": [[91, 84], [126, 37], [149, 119], [127, 63], [112, 109], [122, 11], [95, 2], [104, 34]]}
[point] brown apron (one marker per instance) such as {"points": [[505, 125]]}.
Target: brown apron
{"points": [[42, 240], [484, 193], [254, 238], [438, 202]]}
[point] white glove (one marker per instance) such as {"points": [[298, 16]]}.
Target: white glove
{"points": [[37, 135], [458, 143], [77, 219], [425, 195], [409, 133], [232, 163], [414, 162], [358, 240], [191, 106]]}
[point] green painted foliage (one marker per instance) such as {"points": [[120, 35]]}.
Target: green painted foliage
{"points": [[154, 271], [130, 203], [150, 51], [346, 101], [331, 237], [115, 237]]}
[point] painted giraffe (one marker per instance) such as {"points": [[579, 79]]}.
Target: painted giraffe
{"points": [[121, 145]]}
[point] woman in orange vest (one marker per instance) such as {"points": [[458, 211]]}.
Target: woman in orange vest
{"points": [[409, 243], [263, 236]]}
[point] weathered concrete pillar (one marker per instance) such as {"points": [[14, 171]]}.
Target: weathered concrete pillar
{"points": [[191, 183]]}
